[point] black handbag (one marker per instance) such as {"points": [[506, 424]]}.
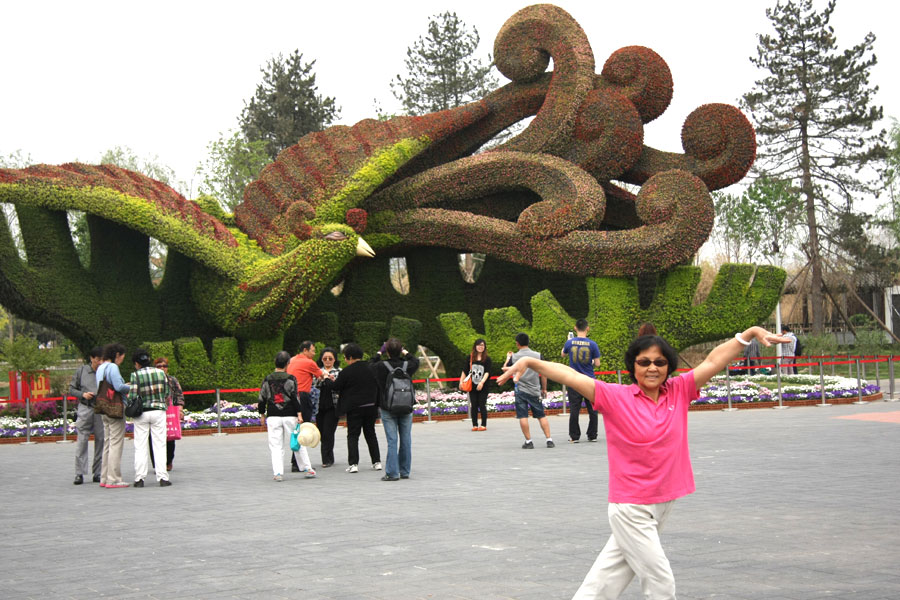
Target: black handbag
{"points": [[134, 407]]}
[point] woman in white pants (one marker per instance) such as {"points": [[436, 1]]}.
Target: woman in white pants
{"points": [[647, 448], [279, 407], [150, 387]]}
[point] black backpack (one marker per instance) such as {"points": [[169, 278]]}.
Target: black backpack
{"points": [[399, 393], [798, 350]]}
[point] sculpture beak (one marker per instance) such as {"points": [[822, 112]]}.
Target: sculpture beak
{"points": [[364, 249]]}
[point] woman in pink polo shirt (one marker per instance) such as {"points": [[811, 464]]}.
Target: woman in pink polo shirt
{"points": [[647, 445]]}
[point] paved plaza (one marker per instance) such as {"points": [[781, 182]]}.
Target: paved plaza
{"points": [[792, 504]]}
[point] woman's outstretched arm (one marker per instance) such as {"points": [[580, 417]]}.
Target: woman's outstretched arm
{"points": [[562, 374], [725, 352]]}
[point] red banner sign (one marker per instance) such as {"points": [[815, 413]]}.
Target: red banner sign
{"points": [[24, 385]]}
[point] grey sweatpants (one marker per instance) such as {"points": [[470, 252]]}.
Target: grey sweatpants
{"points": [[87, 423]]}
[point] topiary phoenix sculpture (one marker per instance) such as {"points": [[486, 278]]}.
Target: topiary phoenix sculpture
{"points": [[551, 198]]}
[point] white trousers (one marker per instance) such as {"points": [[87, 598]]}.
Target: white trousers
{"points": [[633, 549], [280, 429], [152, 423]]}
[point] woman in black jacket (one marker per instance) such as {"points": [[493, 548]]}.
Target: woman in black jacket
{"points": [[327, 417], [358, 392]]}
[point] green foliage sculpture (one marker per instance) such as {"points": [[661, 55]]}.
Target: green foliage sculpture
{"points": [[546, 206], [614, 307]]}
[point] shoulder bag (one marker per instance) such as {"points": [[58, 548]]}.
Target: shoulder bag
{"points": [[134, 407], [108, 401], [173, 422], [295, 443], [465, 385]]}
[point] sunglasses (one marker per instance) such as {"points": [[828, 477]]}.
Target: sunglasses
{"points": [[646, 362]]}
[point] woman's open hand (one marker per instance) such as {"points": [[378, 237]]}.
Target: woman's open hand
{"points": [[767, 338], [513, 372]]}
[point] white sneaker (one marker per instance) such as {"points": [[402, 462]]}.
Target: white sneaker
{"points": [[353, 469], [376, 466]]}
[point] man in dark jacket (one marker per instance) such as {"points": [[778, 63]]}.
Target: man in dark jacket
{"points": [[397, 428], [358, 398]]}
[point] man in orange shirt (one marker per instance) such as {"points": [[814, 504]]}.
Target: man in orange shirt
{"points": [[303, 367]]}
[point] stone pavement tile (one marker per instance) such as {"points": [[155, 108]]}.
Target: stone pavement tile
{"points": [[353, 595], [267, 594]]}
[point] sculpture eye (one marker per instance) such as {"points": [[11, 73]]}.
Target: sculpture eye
{"points": [[336, 236]]}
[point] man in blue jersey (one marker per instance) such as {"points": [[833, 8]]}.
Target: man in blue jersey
{"points": [[584, 357]]}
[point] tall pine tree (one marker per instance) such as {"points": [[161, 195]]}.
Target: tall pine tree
{"points": [[286, 105], [442, 71], [893, 158], [815, 120]]}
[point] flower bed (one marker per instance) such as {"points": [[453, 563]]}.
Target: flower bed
{"points": [[751, 388], [745, 390]]}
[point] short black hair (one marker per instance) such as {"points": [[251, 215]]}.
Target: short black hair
{"points": [[522, 339], [96, 352], [327, 350], [111, 351], [581, 325], [352, 350], [141, 357], [786, 328], [394, 347], [282, 359], [648, 341], [305, 345]]}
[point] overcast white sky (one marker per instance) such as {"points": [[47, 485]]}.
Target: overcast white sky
{"points": [[164, 78]]}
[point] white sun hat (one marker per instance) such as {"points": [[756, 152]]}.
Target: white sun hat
{"points": [[309, 435]]}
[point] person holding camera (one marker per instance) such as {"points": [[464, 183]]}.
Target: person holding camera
{"points": [[531, 389], [327, 418], [84, 388]]}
